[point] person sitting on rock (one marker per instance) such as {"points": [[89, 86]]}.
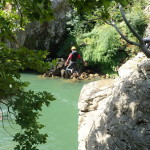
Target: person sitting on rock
{"points": [[72, 60]]}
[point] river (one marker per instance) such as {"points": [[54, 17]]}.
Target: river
{"points": [[60, 118]]}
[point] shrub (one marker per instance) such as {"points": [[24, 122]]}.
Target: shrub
{"points": [[138, 19], [103, 48]]}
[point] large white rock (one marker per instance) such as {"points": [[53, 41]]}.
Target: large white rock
{"points": [[116, 117], [126, 69]]}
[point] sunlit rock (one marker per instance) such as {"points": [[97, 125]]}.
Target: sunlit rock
{"points": [[117, 116]]}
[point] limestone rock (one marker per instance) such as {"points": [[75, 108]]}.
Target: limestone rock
{"points": [[47, 35], [116, 117], [127, 68]]}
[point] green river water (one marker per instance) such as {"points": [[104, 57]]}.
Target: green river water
{"points": [[60, 118]]}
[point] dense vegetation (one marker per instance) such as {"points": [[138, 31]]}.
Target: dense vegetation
{"points": [[24, 105], [100, 44]]}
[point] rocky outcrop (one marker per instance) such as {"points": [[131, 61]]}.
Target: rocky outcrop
{"points": [[56, 70], [126, 69], [117, 117], [47, 35], [82, 73]]}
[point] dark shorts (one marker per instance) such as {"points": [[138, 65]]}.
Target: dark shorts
{"points": [[72, 65]]}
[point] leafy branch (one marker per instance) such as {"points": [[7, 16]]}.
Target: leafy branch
{"points": [[24, 105]]}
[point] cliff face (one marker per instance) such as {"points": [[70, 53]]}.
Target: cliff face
{"points": [[117, 117], [47, 35]]}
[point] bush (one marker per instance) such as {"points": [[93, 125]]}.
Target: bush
{"points": [[103, 48], [65, 47], [138, 19]]}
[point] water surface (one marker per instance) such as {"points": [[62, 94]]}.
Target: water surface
{"points": [[60, 118]]}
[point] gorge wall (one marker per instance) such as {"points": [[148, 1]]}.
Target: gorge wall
{"points": [[117, 117], [47, 35]]}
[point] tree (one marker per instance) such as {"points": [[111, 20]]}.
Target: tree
{"points": [[89, 7], [24, 105]]}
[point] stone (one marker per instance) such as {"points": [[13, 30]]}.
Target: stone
{"points": [[59, 69], [117, 116], [48, 35], [127, 68]]}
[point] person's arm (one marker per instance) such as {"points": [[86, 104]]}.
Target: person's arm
{"points": [[79, 56], [67, 61]]}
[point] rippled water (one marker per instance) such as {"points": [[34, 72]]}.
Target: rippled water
{"points": [[60, 119]]}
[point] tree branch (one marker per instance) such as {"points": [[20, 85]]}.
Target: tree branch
{"points": [[146, 40], [3, 123], [143, 46], [3, 103], [129, 26], [19, 10], [91, 20], [123, 36]]}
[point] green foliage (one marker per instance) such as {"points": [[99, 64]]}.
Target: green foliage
{"points": [[33, 10], [138, 19], [9, 25], [89, 7], [25, 105], [74, 22], [14, 60], [76, 26], [103, 48], [65, 47], [37, 9], [16, 14]]}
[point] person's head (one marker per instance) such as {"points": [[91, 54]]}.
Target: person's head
{"points": [[73, 48]]}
